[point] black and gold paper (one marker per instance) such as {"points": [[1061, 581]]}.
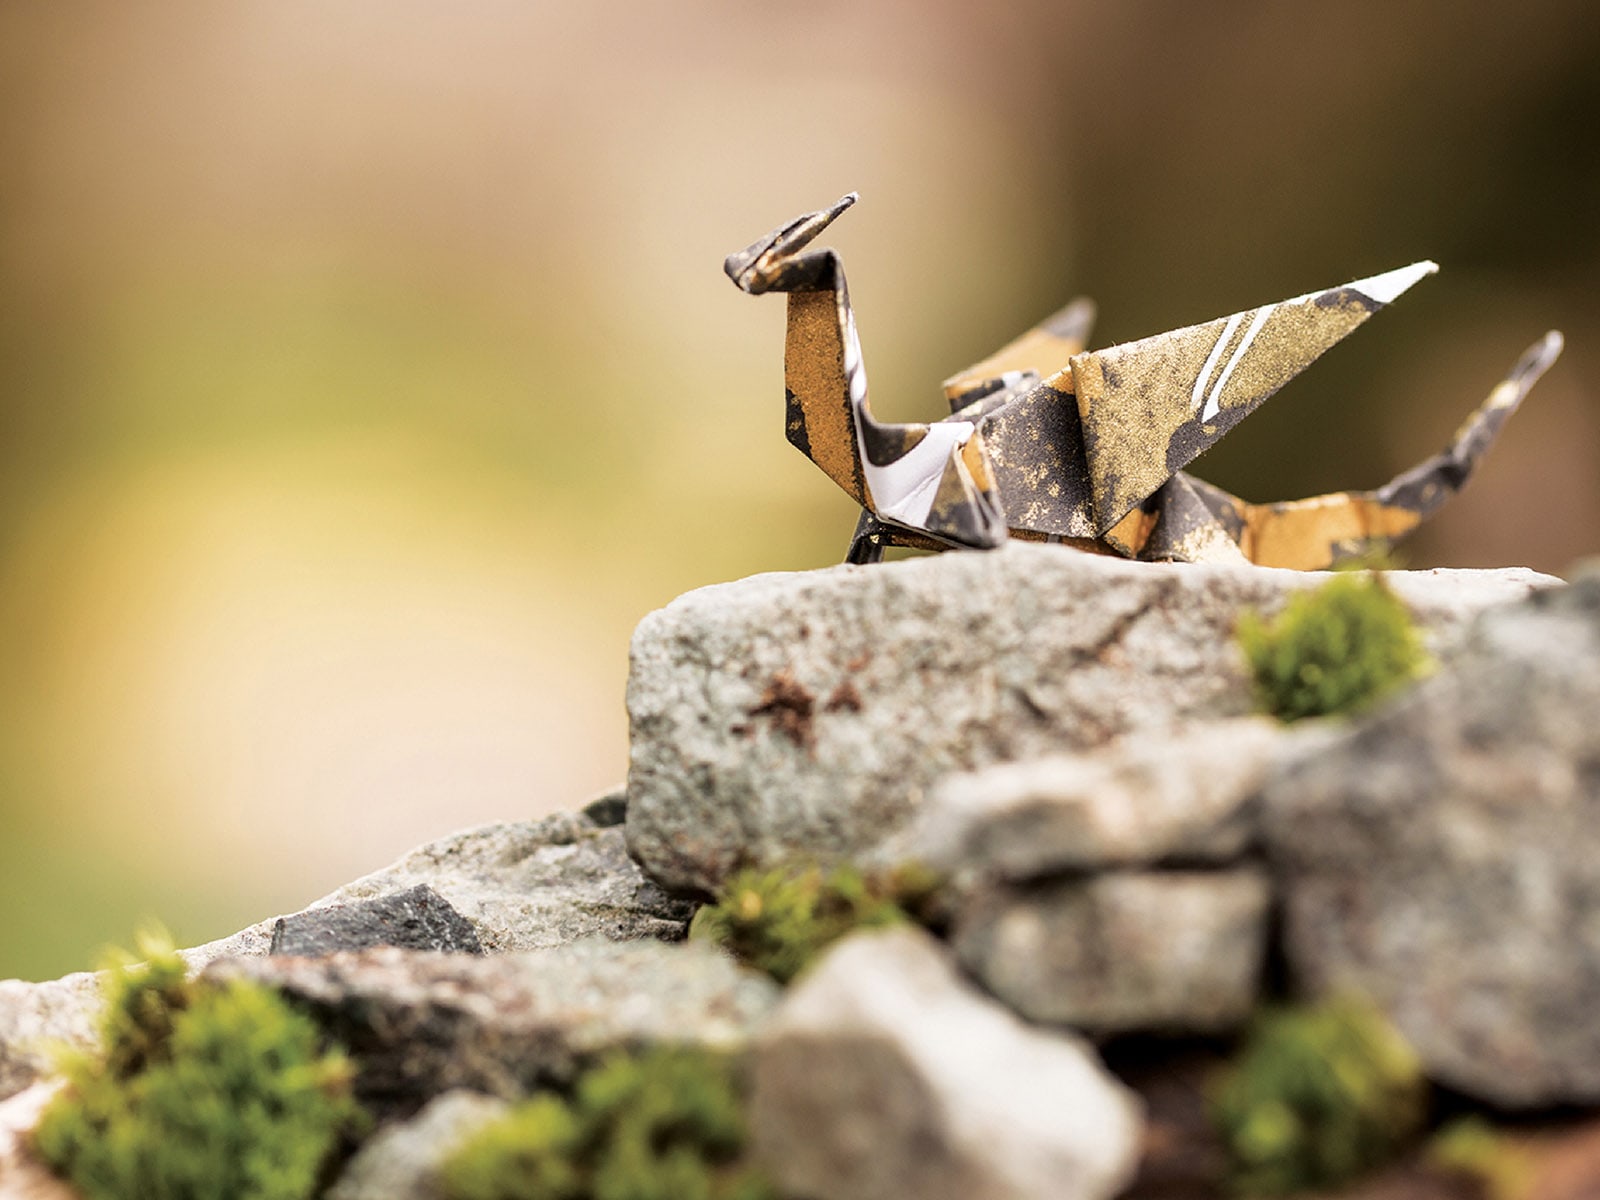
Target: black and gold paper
{"points": [[1048, 441]]}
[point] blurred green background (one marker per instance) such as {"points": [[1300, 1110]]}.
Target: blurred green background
{"points": [[367, 368]]}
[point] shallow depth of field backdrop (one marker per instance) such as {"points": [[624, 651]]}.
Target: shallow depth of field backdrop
{"points": [[367, 368]]}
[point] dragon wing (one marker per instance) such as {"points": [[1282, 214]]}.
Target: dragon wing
{"points": [[1149, 408], [1039, 352]]}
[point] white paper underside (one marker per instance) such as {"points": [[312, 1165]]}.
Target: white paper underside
{"points": [[904, 490]]}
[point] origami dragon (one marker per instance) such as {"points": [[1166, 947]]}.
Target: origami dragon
{"points": [[1046, 441]]}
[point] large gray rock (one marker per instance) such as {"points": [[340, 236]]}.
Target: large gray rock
{"points": [[421, 1023], [884, 1075], [809, 713], [1444, 857], [405, 1160], [1144, 799], [1167, 951]]}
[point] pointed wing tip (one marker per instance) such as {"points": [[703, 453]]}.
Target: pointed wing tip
{"points": [[1538, 358], [1073, 321], [1385, 288]]}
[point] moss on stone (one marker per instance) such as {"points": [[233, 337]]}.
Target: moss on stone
{"points": [[197, 1092], [667, 1124], [778, 920], [1333, 650], [1317, 1097]]}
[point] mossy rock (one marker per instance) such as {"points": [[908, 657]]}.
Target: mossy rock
{"points": [[198, 1092], [1318, 1097], [1337, 649], [664, 1125], [779, 920]]}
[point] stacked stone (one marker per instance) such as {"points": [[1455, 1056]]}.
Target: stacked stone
{"points": [[1065, 740]]}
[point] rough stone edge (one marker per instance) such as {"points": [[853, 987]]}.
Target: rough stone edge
{"points": [[75, 998], [255, 940]]}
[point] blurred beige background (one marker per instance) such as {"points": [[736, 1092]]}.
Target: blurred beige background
{"points": [[367, 369]]}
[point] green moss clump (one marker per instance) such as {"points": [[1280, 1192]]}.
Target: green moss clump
{"points": [[198, 1092], [1333, 650], [1470, 1147], [1318, 1097], [664, 1125], [778, 920]]}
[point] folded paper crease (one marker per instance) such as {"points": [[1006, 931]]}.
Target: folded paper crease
{"points": [[1047, 440]]}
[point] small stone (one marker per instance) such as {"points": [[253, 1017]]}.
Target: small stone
{"points": [[420, 1023], [883, 1075], [1161, 951], [415, 919], [1443, 856], [809, 714], [1145, 799], [405, 1160]]}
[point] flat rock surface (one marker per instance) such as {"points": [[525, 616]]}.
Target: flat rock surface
{"points": [[422, 1023], [808, 714], [417, 918], [1125, 951], [885, 1075], [1444, 857]]}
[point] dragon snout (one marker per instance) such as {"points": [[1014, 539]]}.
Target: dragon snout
{"points": [[756, 267]]}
